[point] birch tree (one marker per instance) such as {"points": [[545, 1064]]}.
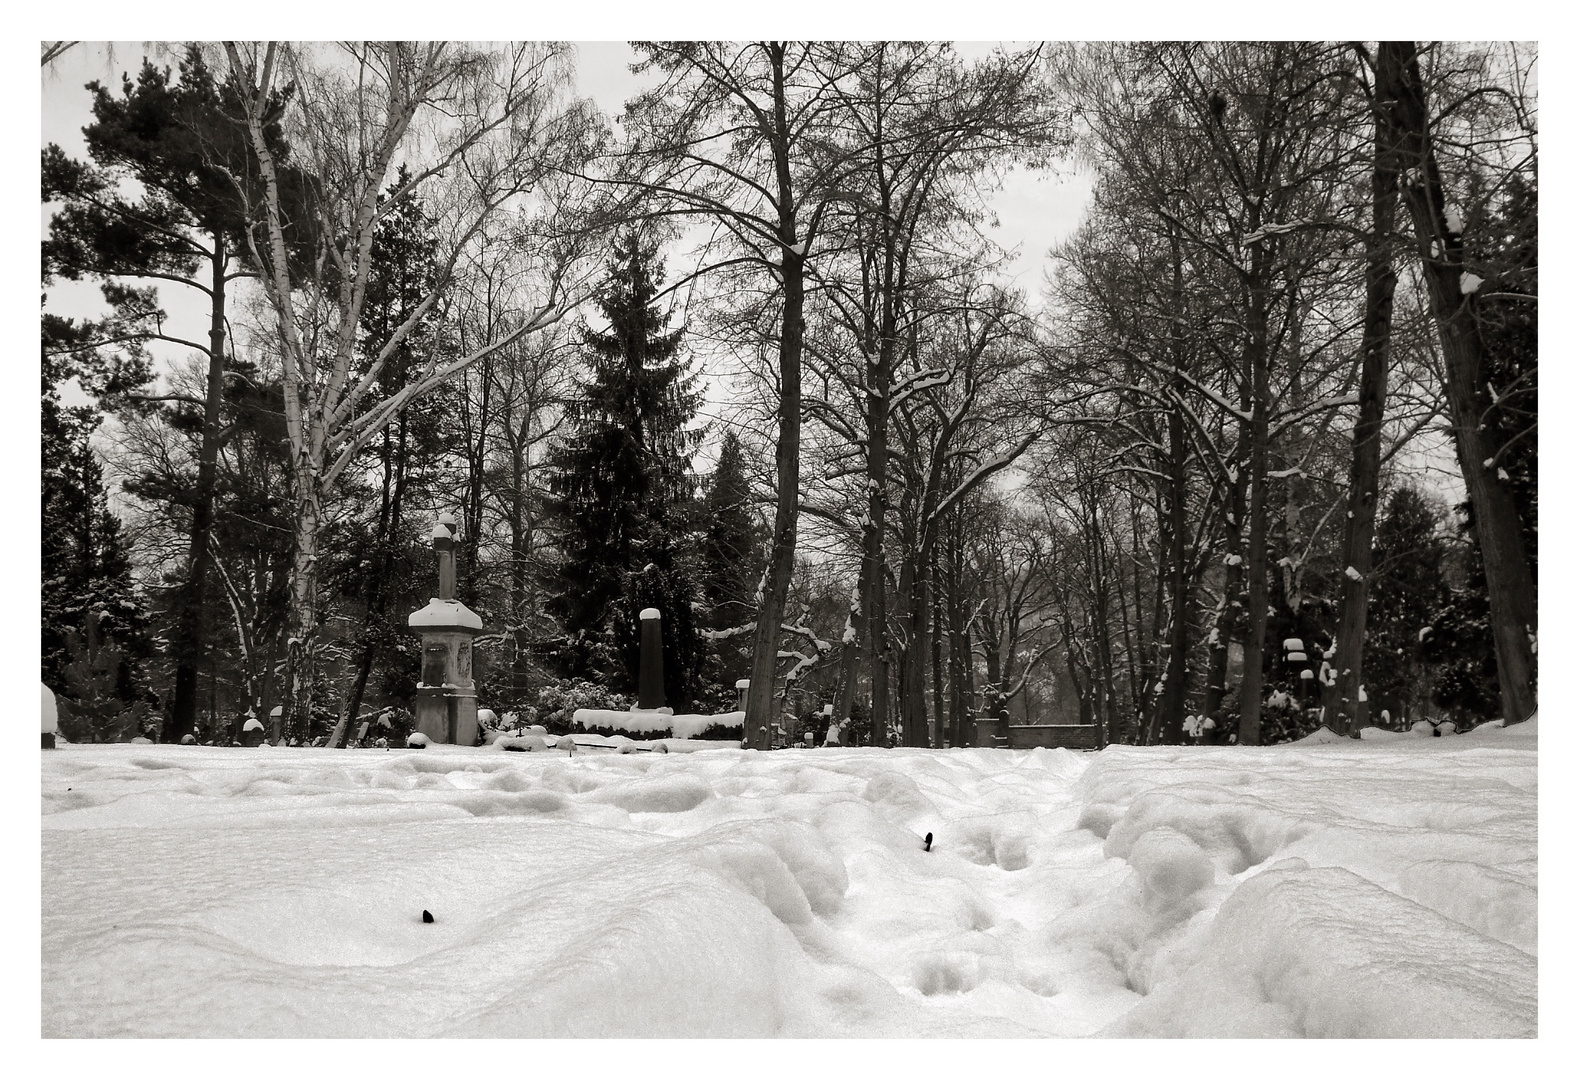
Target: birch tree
{"points": [[485, 134]]}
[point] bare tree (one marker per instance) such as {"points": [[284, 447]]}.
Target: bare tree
{"points": [[485, 134]]}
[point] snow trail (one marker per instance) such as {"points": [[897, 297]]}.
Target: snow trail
{"points": [[1312, 889]]}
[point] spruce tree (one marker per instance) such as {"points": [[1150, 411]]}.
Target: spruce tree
{"points": [[86, 593], [732, 561], [730, 553], [1407, 591], [622, 492], [84, 563]]}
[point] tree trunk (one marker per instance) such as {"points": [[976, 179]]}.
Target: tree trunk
{"points": [[913, 667], [1509, 584], [189, 640], [850, 652], [1343, 713], [760, 698], [520, 556], [1228, 624], [1256, 557], [1176, 673], [301, 653]]}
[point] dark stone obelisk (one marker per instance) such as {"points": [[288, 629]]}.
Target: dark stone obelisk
{"points": [[649, 684]]}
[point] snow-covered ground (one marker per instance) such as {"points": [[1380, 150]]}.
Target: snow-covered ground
{"points": [[1381, 888]]}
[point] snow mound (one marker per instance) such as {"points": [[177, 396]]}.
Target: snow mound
{"points": [[1320, 952], [1359, 888]]}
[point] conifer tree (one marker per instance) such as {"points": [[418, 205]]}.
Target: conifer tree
{"points": [[1408, 590], [179, 222], [84, 563], [732, 558], [730, 553], [622, 491]]}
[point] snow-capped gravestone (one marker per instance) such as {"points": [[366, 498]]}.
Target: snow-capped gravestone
{"points": [[649, 685], [51, 719], [252, 732], [446, 704]]}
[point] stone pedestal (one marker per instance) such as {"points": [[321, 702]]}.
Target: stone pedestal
{"points": [[992, 731], [445, 708], [446, 703]]}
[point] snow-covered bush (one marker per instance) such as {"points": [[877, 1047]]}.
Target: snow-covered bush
{"points": [[90, 705], [1288, 720], [558, 701]]}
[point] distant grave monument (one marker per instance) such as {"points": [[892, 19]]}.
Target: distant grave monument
{"points": [[446, 704], [649, 685], [252, 732], [51, 719]]}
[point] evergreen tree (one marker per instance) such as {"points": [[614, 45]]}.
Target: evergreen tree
{"points": [[732, 562], [86, 593], [160, 204], [731, 554], [84, 564], [1408, 589], [1509, 328], [622, 493]]}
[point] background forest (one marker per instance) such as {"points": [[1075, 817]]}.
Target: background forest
{"points": [[1260, 454]]}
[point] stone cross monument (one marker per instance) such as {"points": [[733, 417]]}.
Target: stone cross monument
{"points": [[446, 704]]}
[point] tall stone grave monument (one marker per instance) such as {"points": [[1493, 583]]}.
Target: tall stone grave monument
{"points": [[446, 705], [649, 685]]}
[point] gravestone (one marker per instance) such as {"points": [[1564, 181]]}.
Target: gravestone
{"points": [[446, 703], [276, 723], [51, 719], [649, 685], [252, 732]]}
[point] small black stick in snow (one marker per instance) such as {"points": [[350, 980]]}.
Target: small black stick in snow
{"points": [[928, 845]]}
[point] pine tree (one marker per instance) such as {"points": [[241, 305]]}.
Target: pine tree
{"points": [[159, 204], [622, 493]]}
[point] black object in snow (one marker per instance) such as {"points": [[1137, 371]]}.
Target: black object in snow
{"points": [[928, 846], [427, 916]]}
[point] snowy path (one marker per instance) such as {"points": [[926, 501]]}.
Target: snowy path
{"points": [[1381, 888]]}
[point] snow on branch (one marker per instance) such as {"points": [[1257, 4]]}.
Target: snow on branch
{"points": [[981, 472], [1298, 413], [915, 384]]}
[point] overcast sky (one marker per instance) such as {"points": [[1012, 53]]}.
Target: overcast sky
{"points": [[1035, 210]]}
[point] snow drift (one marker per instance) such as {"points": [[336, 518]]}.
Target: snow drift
{"points": [[1348, 889]]}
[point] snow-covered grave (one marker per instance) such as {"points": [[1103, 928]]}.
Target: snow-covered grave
{"points": [[1377, 888]]}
